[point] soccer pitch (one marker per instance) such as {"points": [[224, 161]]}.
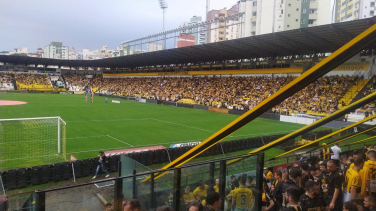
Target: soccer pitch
{"points": [[109, 126]]}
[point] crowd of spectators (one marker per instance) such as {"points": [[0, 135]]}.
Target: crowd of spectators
{"points": [[6, 80], [241, 93], [76, 82], [319, 183], [33, 79]]}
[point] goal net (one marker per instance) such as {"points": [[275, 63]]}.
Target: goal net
{"points": [[29, 142]]}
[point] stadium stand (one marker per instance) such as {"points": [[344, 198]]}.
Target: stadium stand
{"points": [[76, 82], [240, 93], [32, 81], [6, 81]]}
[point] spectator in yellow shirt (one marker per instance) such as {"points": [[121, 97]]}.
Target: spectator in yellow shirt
{"points": [[200, 192], [267, 174]]}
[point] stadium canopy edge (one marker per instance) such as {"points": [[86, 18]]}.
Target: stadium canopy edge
{"points": [[329, 135], [338, 57]]}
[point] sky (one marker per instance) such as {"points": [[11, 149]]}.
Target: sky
{"points": [[91, 23]]}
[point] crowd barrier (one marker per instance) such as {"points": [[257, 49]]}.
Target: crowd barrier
{"points": [[23, 177]]}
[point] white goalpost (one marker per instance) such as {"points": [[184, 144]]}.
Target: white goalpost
{"points": [[26, 142]]}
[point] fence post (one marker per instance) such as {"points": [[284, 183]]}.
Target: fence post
{"points": [[152, 194], [134, 188], [177, 185], [259, 181], [222, 182], [41, 204], [211, 173], [118, 203]]}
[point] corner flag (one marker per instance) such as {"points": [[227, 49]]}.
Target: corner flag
{"points": [[72, 158]]}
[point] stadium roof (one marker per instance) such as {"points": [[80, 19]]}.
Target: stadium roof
{"points": [[303, 41]]}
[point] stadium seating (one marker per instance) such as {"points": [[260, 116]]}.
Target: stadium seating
{"points": [[242, 93], [33, 81], [6, 81], [76, 82]]}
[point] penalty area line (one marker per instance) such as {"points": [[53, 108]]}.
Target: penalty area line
{"points": [[120, 140]]}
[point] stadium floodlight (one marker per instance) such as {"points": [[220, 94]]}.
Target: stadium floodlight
{"points": [[29, 142]]}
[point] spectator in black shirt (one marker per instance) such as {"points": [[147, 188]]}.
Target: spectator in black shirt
{"points": [[334, 185], [296, 176], [102, 164], [304, 168], [312, 200], [349, 206], [313, 172], [231, 184], [293, 195], [359, 204], [277, 192], [213, 201], [325, 152], [195, 206], [321, 178], [370, 203]]}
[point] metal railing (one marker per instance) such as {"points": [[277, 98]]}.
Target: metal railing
{"points": [[168, 189]]}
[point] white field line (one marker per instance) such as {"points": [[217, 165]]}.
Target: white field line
{"points": [[276, 133], [109, 120], [120, 140], [187, 126]]}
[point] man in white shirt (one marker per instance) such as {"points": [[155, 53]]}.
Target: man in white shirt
{"points": [[336, 150]]}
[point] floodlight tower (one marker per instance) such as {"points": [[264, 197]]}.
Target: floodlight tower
{"points": [[163, 6], [207, 8]]}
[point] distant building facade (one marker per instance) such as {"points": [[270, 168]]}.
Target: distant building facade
{"points": [[221, 29], [263, 17], [185, 40], [198, 32], [56, 50], [348, 10]]}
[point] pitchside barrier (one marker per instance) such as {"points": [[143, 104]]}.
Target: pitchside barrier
{"points": [[23, 177]]}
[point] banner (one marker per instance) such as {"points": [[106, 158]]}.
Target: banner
{"points": [[352, 67], [219, 110], [190, 144]]}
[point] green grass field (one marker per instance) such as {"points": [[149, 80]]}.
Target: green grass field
{"points": [[109, 126]]}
